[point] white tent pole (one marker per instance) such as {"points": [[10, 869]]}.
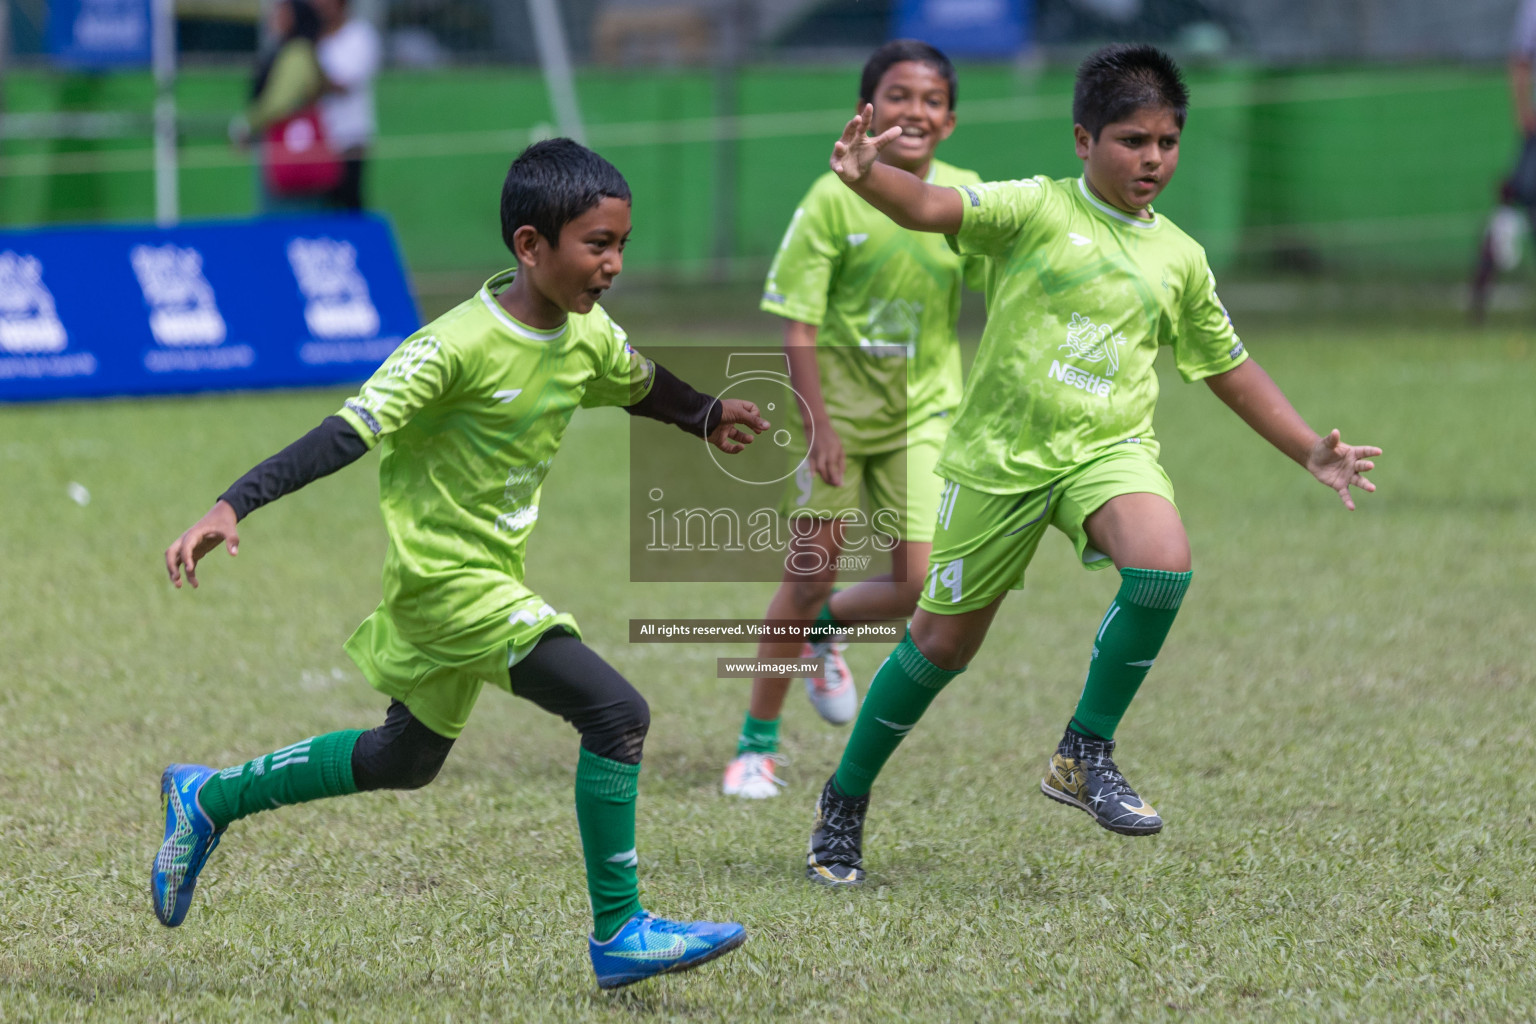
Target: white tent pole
{"points": [[163, 45], [555, 59]]}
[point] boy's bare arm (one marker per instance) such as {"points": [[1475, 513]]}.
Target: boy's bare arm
{"points": [[826, 456], [903, 197], [1257, 399]]}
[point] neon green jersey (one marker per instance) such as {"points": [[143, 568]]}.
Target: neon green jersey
{"points": [[885, 301], [468, 413], [1079, 299]]}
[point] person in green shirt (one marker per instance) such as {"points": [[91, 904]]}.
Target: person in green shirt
{"points": [[468, 414], [289, 78], [288, 82], [1087, 283], [869, 314]]}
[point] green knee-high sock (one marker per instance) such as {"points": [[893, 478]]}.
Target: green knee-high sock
{"points": [[898, 695], [1129, 639], [758, 736], [605, 813], [307, 770]]}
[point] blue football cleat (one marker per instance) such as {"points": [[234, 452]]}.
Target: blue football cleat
{"points": [[189, 838], [648, 945]]}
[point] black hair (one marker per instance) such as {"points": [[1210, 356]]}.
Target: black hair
{"points": [[306, 25], [1116, 81], [553, 182], [898, 50], [306, 20]]}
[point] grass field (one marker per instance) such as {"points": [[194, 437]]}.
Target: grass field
{"points": [[1339, 734]]}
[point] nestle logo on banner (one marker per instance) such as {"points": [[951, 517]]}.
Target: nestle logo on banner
{"points": [[184, 316], [32, 337], [29, 322], [182, 308], [112, 25], [337, 307], [141, 310]]}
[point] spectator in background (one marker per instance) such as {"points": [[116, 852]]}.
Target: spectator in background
{"points": [[288, 79], [1516, 213], [1521, 56], [349, 53]]}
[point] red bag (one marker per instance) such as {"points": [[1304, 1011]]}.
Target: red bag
{"points": [[297, 159]]}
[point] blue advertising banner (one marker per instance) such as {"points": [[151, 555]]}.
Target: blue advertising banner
{"points": [[966, 28], [282, 302], [99, 33]]}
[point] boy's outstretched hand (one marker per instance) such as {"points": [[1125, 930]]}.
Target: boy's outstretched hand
{"points": [[735, 413], [216, 527], [1342, 466], [856, 152]]}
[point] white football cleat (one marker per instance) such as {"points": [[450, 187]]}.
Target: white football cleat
{"points": [[832, 693], [750, 776]]}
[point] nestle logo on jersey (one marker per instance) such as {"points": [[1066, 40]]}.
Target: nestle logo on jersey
{"points": [[1092, 343], [1080, 379]]}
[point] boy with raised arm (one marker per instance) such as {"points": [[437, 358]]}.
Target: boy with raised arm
{"points": [[869, 328], [1055, 428], [467, 415]]}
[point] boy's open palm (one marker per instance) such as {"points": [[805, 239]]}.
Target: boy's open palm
{"points": [[216, 527], [856, 152], [1342, 466], [734, 414]]}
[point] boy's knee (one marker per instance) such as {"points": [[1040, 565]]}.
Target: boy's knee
{"points": [[943, 646], [944, 652], [636, 723], [1170, 559], [418, 772], [618, 732], [810, 595], [391, 757], [628, 747], [634, 713], [397, 765]]}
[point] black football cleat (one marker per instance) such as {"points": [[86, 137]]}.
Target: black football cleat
{"points": [[1082, 774], [835, 857]]}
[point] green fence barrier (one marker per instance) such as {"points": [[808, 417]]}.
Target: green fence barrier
{"points": [[1375, 170]]}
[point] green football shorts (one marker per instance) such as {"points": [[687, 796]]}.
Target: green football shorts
{"points": [[441, 680], [901, 485], [984, 542]]}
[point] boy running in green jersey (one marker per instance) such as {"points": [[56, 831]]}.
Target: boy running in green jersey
{"points": [[467, 414], [1055, 429], [870, 311]]}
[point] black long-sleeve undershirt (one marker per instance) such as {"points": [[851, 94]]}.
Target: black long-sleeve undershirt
{"points": [[321, 452], [672, 400], [335, 444]]}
